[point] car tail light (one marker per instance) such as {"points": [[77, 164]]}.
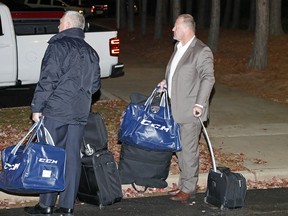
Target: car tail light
{"points": [[114, 46], [92, 9]]}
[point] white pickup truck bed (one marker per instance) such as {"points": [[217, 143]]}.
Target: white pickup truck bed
{"points": [[23, 43]]}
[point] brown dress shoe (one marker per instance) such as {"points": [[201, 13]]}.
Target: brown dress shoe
{"points": [[181, 196], [173, 192]]}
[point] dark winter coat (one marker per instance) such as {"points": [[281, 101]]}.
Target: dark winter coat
{"points": [[70, 74]]}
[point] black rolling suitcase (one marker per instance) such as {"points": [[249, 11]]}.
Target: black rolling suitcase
{"points": [[100, 182], [225, 189], [95, 135]]}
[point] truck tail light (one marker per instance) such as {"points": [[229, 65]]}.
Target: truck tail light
{"points": [[114, 46], [92, 9]]}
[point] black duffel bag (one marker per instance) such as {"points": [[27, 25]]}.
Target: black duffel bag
{"points": [[143, 167]]}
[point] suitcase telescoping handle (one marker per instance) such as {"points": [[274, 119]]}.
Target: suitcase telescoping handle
{"points": [[209, 145]]}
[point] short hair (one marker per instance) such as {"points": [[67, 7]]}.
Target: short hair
{"points": [[76, 19], [188, 21]]}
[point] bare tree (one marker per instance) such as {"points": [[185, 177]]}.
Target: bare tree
{"points": [[158, 19], [188, 6], [176, 10], [259, 58], [165, 12], [203, 13], [202, 4], [275, 18], [143, 17], [213, 37], [236, 14], [130, 15], [123, 19], [227, 13], [252, 17]]}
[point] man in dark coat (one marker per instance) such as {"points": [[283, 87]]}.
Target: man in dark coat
{"points": [[70, 74]]}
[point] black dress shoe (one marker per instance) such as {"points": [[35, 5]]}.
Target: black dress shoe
{"points": [[38, 210], [64, 211]]}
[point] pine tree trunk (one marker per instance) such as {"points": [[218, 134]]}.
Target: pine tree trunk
{"points": [[123, 19], [236, 14], [158, 19], [275, 18], [258, 59], [213, 37], [176, 9], [130, 15], [227, 14], [189, 6], [143, 17], [252, 16]]}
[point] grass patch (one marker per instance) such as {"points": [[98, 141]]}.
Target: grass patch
{"points": [[15, 122], [19, 117]]}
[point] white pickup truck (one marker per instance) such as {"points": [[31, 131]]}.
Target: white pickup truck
{"points": [[23, 42]]}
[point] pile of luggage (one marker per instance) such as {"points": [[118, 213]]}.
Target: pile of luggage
{"points": [[102, 177]]}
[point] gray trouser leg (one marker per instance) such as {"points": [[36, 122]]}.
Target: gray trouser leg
{"points": [[188, 158]]}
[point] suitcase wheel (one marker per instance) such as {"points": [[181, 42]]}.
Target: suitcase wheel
{"points": [[89, 151], [101, 206]]}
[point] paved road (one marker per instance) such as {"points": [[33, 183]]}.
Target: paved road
{"points": [[271, 202]]}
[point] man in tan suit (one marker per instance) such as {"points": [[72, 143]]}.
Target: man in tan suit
{"points": [[189, 79]]}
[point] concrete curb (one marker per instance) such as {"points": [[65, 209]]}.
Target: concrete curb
{"points": [[107, 95], [253, 176]]}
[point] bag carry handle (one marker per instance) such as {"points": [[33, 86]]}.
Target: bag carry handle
{"points": [[46, 137], [163, 102], [209, 145], [35, 128], [35, 125], [150, 98]]}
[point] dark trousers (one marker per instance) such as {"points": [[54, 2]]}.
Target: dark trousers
{"points": [[68, 137]]}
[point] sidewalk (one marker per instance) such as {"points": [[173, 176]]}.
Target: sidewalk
{"points": [[239, 123], [256, 127]]}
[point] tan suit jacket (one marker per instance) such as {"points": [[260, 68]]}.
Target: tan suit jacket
{"points": [[192, 82]]}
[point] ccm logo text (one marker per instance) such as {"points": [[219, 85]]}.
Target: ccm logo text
{"points": [[47, 160], [157, 126]]}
